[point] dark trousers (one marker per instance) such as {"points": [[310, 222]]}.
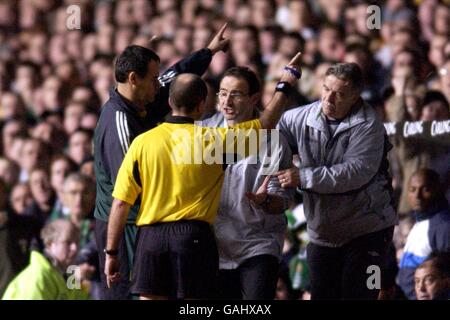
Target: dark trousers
{"points": [[120, 290], [350, 271], [255, 279]]}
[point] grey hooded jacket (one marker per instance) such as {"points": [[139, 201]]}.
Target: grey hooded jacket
{"points": [[242, 230], [345, 179]]}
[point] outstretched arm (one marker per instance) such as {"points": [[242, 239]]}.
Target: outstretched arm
{"points": [[273, 111]]}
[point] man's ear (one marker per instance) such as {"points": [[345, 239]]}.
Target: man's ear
{"points": [[201, 106], [255, 98], [170, 103], [132, 78]]}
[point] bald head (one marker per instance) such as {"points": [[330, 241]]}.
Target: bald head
{"points": [[187, 91]]}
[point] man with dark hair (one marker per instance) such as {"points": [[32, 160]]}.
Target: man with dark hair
{"points": [[176, 254], [435, 107], [431, 232], [137, 104], [249, 229], [343, 173], [432, 277]]}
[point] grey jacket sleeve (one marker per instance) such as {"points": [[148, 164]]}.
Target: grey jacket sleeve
{"points": [[360, 162], [285, 161]]}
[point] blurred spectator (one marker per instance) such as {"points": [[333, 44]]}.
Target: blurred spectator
{"points": [[33, 154], [43, 278], [9, 172], [49, 133], [80, 145], [444, 78], [331, 44], [11, 129], [245, 47], [432, 278], [73, 115], [43, 196], [87, 168], [431, 232], [435, 107], [16, 233], [60, 167], [21, 198], [12, 106]]}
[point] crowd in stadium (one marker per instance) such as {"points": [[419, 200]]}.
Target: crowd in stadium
{"points": [[54, 80]]}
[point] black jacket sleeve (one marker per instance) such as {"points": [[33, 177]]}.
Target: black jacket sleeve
{"points": [[197, 63]]}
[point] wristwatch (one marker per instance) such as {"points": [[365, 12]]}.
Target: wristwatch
{"points": [[284, 87], [111, 252]]}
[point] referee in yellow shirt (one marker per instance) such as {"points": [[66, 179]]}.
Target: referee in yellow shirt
{"points": [[176, 255]]}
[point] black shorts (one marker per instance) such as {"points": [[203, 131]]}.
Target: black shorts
{"points": [[178, 260]]}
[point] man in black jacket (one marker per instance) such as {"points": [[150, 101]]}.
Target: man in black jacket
{"points": [[138, 103]]}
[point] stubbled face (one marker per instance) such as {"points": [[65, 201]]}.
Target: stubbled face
{"points": [[429, 283], [147, 87], [420, 193], [338, 97], [234, 100]]}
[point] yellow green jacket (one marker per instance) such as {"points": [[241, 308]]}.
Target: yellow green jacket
{"points": [[41, 281]]}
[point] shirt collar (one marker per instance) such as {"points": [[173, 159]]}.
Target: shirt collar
{"points": [[178, 119]]}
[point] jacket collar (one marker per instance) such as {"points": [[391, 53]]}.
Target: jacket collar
{"points": [[178, 119], [356, 116], [126, 104]]}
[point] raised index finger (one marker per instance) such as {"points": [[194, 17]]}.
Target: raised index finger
{"points": [[296, 60], [222, 30], [266, 182]]}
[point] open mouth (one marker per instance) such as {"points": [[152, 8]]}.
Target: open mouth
{"points": [[228, 110]]}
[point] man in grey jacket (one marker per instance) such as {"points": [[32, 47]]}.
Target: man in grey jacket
{"points": [[249, 229], [343, 173]]}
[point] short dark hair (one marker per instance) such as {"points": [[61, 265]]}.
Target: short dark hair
{"points": [[134, 58], [350, 72], [440, 261], [432, 180], [253, 82], [434, 95], [297, 36], [85, 131], [431, 176], [187, 91]]}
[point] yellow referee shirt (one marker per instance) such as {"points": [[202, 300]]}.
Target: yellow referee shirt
{"points": [[177, 169]]}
